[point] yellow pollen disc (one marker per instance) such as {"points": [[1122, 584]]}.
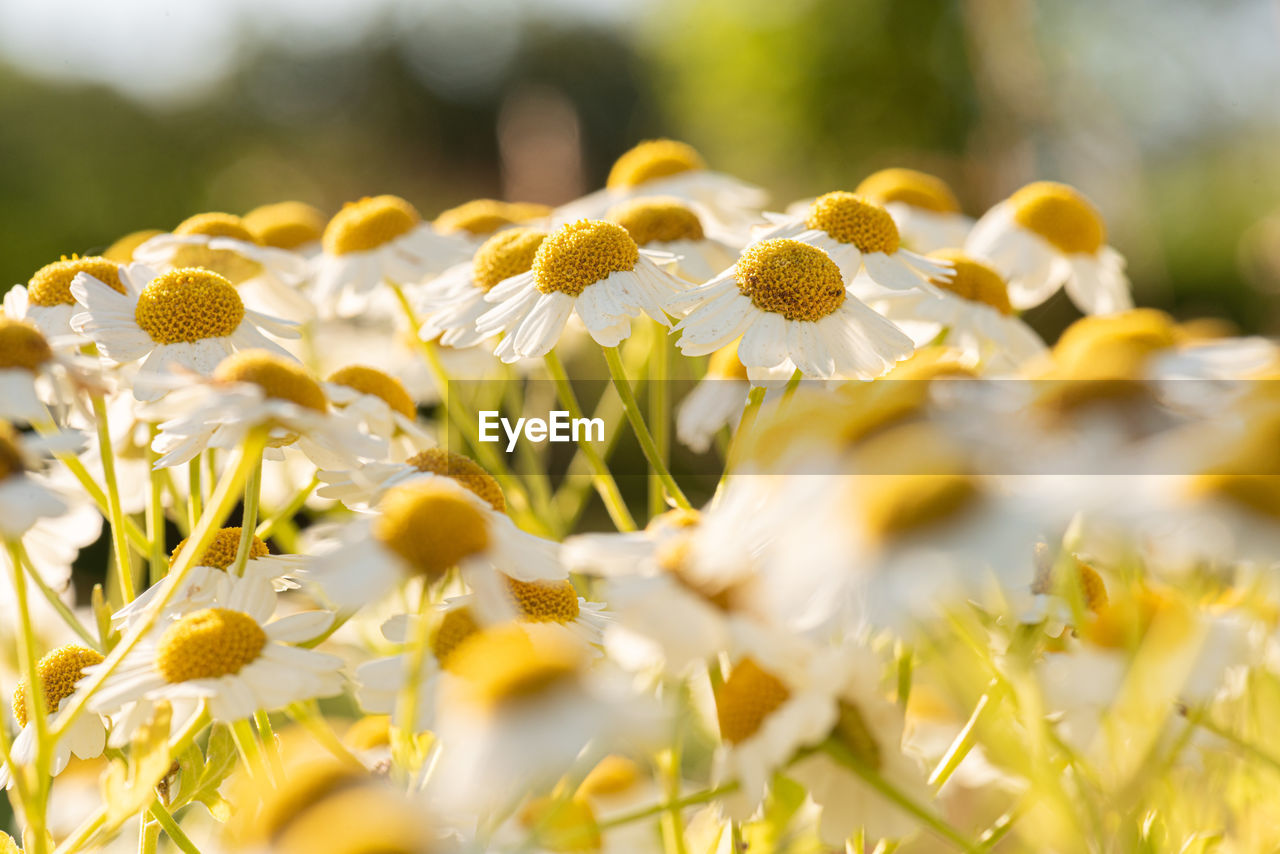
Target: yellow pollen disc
{"points": [[221, 553], [59, 671], [430, 526], [790, 278], [914, 478], [369, 733], [852, 219], [122, 250], [278, 376], [11, 462], [917, 189], [209, 644], [455, 627], [544, 601], [582, 253], [369, 223], [652, 159], [973, 280], [216, 225], [235, 267], [508, 253], [381, 385], [527, 211], [185, 306], [1061, 215], [724, 364], [285, 225], [506, 663], [746, 698], [22, 345], [657, 219], [51, 284], [612, 775], [466, 471], [565, 826], [477, 217], [1250, 475]]}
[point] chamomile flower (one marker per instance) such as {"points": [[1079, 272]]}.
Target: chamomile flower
{"points": [[23, 499], [121, 251], [231, 656], [47, 300], [380, 404], [788, 302], [973, 310], [860, 236], [52, 545], [479, 219], [669, 225], [590, 268], [373, 240], [455, 300], [294, 226], [256, 388], [266, 278], [34, 375], [922, 205], [1048, 236], [59, 672], [190, 318], [424, 527], [359, 488]]}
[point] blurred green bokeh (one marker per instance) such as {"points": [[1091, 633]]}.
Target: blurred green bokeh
{"points": [[801, 97]]}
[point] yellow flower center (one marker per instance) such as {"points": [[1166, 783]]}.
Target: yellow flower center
{"points": [[612, 775], [51, 284], [278, 377], [1092, 587], [58, 671], [724, 364], [1061, 215], [917, 189], [185, 306], [505, 664], [216, 225], [508, 253], [22, 345], [652, 159], [221, 553], [209, 644], [562, 825], [122, 250], [915, 478], [527, 211], [746, 698], [464, 470], [657, 219], [544, 601], [381, 385], [368, 224], [973, 280], [285, 225], [430, 526], [1250, 476], [11, 462], [581, 254], [236, 268], [455, 627], [790, 278], [852, 219], [477, 217]]}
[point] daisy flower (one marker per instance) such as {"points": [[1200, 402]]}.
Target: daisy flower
{"points": [[590, 268], [232, 656], [47, 300], [453, 301], [190, 318], [373, 240], [479, 219], [973, 312], [293, 226], [788, 302], [33, 375], [254, 388], [59, 671], [380, 404], [666, 224], [266, 278], [23, 499], [860, 236], [425, 527], [359, 488], [923, 207], [52, 545], [122, 250], [1048, 236]]}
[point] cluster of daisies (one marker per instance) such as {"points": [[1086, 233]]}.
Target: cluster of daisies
{"points": [[948, 587]]}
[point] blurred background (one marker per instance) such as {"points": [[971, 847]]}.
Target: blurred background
{"points": [[136, 113]]}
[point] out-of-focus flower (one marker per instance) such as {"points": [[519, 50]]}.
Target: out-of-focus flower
{"points": [[669, 225], [121, 251], [923, 206], [715, 402], [479, 219], [23, 499], [295, 226], [47, 300], [34, 375], [380, 404]]}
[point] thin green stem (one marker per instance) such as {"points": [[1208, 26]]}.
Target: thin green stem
{"points": [[195, 497], [247, 745], [409, 700], [755, 399], [55, 601], [704, 797], [115, 513], [85, 832], [674, 819], [650, 448], [37, 709], [249, 516], [602, 478], [148, 836], [169, 824], [156, 552], [267, 737], [268, 526], [960, 747], [659, 413]]}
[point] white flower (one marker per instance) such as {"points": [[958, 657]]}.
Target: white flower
{"points": [[47, 300], [590, 268], [192, 318], [1048, 236], [923, 207], [788, 302], [668, 225], [24, 499], [295, 226], [381, 405], [36, 374]]}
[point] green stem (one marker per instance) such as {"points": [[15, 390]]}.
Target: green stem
{"points": [[659, 413], [55, 601], [755, 398], [195, 498], [408, 702], [249, 517], [37, 709], [169, 824], [673, 818], [657, 809], [156, 552], [268, 525], [960, 747], [115, 513], [605, 485], [267, 738], [148, 836], [650, 448], [82, 834], [308, 717], [247, 745]]}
